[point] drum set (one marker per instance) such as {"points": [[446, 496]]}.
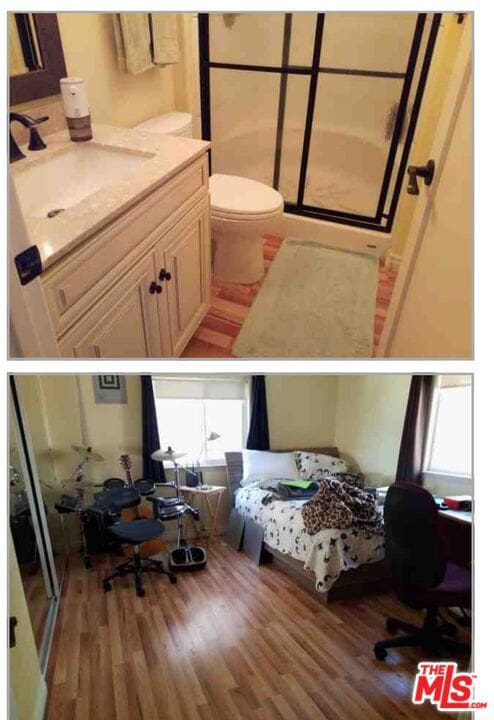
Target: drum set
{"points": [[103, 508]]}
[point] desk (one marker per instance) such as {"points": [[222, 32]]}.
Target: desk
{"points": [[208, 493], [456, 530], [462, 516]]}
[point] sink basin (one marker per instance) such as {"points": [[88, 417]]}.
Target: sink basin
{"points": [[50, 186]]}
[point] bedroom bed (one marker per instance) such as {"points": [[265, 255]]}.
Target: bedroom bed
{"points": [[334, 563]]}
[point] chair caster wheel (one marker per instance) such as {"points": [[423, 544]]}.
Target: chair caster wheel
{"points": [[87, 563], [380, 653], [173, 579], [391, 626], [106, 586], [140, 592]]}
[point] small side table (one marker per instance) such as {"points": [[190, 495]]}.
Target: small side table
{"points": [[212, 495]]}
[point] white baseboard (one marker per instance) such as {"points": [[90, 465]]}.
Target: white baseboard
{"points": [[40, 703], [341, 237], [392, 261]]}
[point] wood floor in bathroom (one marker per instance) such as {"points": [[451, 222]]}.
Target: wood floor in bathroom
{"points": [[230, 304]]}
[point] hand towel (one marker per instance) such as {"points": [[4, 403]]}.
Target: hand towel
{"points": [[164, 38], [133, 42]]}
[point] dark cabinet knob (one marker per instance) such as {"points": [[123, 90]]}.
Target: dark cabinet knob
{"points": [[164, 275], [155, 288]]}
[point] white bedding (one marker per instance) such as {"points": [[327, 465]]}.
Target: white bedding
{"points": [[327, 553]]}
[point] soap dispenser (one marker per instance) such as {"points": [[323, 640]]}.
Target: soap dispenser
{"points": [[76, 108]]}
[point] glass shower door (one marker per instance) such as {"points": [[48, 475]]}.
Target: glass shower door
{"points": [[322, 106], [244, 92], [366, 64]]}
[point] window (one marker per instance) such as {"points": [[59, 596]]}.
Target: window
{"points": [[191, 412], [449, 447]]}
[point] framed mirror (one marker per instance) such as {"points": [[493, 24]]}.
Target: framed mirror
{"points": [[36, 60]]}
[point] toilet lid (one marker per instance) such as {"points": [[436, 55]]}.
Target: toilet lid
{"points": [[233, 195], [174, 123]]}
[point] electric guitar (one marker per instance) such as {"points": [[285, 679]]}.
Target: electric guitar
{"points": [[126, 465]]}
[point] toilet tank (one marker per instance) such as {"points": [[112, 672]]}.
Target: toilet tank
{"points": [[174, 123]]}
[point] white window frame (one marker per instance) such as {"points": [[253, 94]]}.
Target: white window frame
{"points": [[220, 463], [431, 475]]}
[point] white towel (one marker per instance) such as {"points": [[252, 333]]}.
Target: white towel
{"points": [[145, 40], [133, 42], [164, 38]]}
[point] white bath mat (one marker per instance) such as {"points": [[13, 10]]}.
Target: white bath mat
{"points": [[314, 302]]}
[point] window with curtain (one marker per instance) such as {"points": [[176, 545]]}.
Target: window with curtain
{"points": [[449, 442], [191, 412]]}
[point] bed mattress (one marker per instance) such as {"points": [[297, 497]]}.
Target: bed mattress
{"points": [[327, 554]]}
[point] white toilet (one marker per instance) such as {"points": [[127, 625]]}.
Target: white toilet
{"points": [[242, 211]]}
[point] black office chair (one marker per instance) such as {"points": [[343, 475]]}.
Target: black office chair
{"points": [[133, 532], [421, 576]]}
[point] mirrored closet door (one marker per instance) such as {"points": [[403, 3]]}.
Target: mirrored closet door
{"points": [[35, 526]]}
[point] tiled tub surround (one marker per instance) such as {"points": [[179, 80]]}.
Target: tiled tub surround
{"points": [[126, 270]]}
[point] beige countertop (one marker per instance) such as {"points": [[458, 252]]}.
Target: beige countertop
{"points": [[57, 236]]}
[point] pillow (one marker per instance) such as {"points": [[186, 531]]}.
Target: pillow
{"points": [[315, 466], [260, 465]]}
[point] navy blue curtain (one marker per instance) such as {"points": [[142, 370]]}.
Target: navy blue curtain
{"points": [[258, 438], [414, 435], [151, 470]]}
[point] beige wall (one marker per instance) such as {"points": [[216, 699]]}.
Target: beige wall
{"points": [[301, 410], [115, 98], [26, 681], [369, 423], [73, 417]]}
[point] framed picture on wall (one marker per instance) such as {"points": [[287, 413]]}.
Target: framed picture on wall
{"points": [[110, 389]]}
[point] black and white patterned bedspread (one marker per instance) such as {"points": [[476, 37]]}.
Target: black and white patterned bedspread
{"points": [[327, 553]]}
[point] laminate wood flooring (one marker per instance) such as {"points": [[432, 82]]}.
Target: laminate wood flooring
{"points": [[232, 642]]}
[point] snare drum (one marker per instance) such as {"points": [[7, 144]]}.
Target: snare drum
{"points": [[145, 487], [113, 483]]}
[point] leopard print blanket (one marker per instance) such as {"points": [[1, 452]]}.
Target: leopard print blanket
{"points": [[339, 504]]}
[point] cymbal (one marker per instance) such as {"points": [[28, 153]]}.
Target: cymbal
{"points": [[163, 455], [88, 452], [81, 483]]}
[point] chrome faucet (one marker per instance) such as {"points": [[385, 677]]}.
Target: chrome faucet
{"points": [[35, 141]]}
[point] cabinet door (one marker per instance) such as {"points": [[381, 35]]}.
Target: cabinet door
{"points": [[125, 324], [184, 253]]}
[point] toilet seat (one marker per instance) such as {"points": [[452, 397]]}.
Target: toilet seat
{"points": [[238, 198]]}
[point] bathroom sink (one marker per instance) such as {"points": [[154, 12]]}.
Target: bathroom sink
{"points": [[52, 185]]}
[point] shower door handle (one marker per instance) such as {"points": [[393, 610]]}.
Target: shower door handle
{"points": [[423, 171]]}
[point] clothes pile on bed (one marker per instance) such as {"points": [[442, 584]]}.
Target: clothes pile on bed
{"points": [[339, 528], [341, 504]]}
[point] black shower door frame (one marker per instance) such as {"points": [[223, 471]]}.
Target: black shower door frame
{"points": [[381, 221]]}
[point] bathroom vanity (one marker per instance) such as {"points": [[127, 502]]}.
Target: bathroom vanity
{"points": [[122, 224]]}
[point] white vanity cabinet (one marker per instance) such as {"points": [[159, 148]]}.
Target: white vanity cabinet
{"points": [[140, 286], [183, 262]]}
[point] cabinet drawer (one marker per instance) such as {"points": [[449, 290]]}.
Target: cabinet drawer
{"points": [[76, 282]]}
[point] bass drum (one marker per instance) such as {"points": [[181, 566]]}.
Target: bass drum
{"points": [[145, 487]]}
